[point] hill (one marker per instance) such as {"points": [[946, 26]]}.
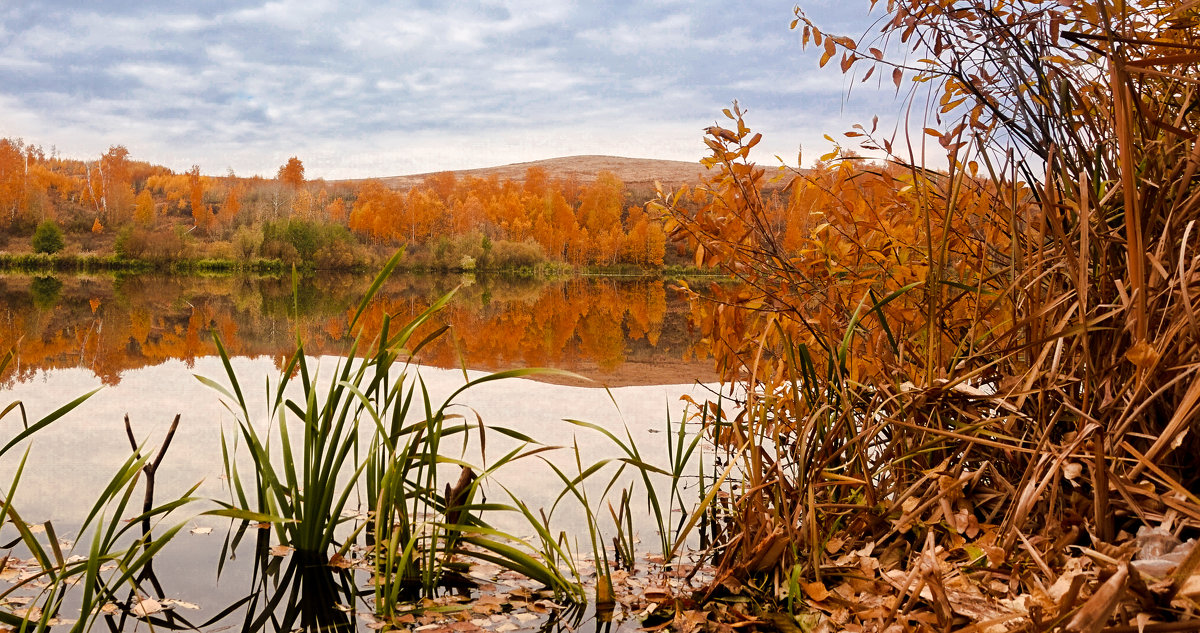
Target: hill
{"points": [[639, 173]]}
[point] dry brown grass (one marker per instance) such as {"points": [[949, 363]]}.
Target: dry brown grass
{"points": [[976, 445]]}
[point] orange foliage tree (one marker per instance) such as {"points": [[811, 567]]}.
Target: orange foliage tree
{"points": [[114, 167], [143, 208], [230, 208], [201, 215], [291, 173], [12, 179]]}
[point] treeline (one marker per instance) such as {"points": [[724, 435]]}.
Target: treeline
{"points": [[139, 211]]}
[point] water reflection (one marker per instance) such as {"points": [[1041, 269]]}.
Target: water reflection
{"points": [[618, 332], [145, 337], [248, 588]]}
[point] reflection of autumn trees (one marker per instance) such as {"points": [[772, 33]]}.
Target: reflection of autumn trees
{"points": [[110, 326]]}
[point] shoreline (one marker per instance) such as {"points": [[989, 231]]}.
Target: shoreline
{"points": [[33, 263]]}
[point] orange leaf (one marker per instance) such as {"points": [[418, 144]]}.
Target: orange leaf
{"points": [[830, 50], [816, 590]]}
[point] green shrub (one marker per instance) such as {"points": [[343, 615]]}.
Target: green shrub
{"points": [[310, 243], [47, 238]]}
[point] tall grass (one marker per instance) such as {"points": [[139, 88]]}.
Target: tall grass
{"points": [[1000, 365], [372, 431]]}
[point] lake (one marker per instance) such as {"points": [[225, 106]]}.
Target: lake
{"points": [[615, 331], [144, 339]]}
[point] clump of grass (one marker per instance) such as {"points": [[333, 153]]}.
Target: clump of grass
{"points": [[372, 430]]}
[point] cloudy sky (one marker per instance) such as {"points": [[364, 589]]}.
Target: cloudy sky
{"points": [[358, 89]]}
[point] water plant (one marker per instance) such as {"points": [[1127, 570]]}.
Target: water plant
{"points": [[372, 432]]}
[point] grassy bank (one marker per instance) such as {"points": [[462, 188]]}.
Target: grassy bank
{"points": [[92, 263], [33, 263]]}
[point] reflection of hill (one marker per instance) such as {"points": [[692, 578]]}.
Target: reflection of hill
{"points": [[112, 325]]}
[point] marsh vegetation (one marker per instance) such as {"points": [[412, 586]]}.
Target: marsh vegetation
{"points": [[961, 396]]}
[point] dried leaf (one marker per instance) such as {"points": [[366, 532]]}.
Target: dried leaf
{"points": [[1094, 614], [146, 607], [816, 590]]}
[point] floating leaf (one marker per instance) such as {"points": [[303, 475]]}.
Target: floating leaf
{"points": [[146, 607]]}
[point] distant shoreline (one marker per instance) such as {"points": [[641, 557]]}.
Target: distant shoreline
{"points": [[33, 263]]}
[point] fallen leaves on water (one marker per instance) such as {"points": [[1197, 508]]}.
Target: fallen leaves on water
{"points": [[146, 607]]}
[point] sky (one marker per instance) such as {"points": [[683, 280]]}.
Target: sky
{"points": [[361, 89]]}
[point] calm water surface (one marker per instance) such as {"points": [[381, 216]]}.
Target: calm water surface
{"points": [[144, 340], [614, 331]]}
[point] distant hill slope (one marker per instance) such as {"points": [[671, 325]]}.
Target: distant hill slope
{"points": [[634, 172]]}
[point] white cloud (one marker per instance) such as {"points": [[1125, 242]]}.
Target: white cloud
{"points": [[358, 90], [670, 32]]}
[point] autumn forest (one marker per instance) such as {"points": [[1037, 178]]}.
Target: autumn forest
{"points": [[116, 205]]}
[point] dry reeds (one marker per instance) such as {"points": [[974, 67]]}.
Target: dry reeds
{"points": [[968, 389]]}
